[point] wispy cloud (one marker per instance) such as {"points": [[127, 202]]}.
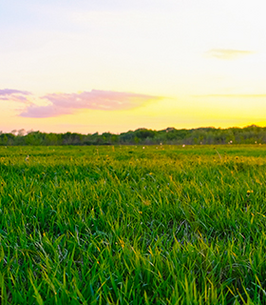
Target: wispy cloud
{"points": [[64, 103], [13, 91], [14, 95], [231, 95], [227, 54]]}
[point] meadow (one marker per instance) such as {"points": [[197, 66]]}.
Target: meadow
{"points": [[133, 225]]}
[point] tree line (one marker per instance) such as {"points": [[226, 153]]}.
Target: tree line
{"points": [[206, 135]]}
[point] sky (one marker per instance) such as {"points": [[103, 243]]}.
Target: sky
{"points": [[95, 66]]}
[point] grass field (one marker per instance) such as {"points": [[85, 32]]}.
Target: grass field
{"points": [[133, 225]]}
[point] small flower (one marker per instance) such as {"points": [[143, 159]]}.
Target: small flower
{"points": [[249, 192], [140, 212], [183, 145], [27, 158]]}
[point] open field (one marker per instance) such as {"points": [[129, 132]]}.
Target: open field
{"points": [[133, 225]]}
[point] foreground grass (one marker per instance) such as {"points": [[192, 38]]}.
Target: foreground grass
{"points": [[133, 225]]}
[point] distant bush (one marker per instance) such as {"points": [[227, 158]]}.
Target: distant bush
{"points": [[205, 135]]}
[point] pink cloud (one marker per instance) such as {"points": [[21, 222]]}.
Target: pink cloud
{"points": [[4, 92], [34, 111], [63, 103], [14, 95]]}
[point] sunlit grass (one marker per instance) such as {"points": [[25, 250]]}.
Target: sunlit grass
{"points": [[127, 225]]}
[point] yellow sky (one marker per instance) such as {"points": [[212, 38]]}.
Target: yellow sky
{"points": [[118, 65]]}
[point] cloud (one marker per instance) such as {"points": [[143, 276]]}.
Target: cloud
{"points": [[63, 103], [13, 91], [14, 95], [232, 95], [227, 53]]}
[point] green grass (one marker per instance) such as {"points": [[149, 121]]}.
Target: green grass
{"points": [[133, 225]]}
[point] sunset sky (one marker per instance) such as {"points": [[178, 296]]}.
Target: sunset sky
{"points": [[115, 65]]}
